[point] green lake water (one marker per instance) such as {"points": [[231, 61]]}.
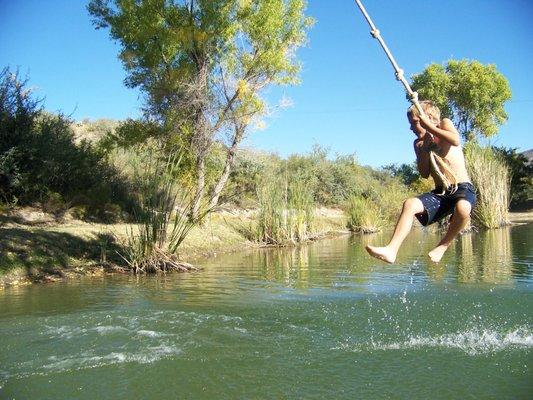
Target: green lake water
{"points": [[320, 321]]}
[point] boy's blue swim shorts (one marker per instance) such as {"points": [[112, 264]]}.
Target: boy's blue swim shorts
{"points": [[438, 206]]}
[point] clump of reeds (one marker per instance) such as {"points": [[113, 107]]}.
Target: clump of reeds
{"points": [[491, 176], [364, 215], [162, 223], [286, 212], [271, 224], [300, 211], [389, 201]]}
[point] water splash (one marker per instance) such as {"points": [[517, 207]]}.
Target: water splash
{"points": [[472, 342]]}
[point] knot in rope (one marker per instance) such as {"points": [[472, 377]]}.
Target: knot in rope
{"points": [[399, 75], [374, 33]]}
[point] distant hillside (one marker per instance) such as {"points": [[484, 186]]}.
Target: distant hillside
{"points": [[529, 155], [93, 130]]}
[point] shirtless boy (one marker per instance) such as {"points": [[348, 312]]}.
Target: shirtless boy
{"points": [[433, 206]]}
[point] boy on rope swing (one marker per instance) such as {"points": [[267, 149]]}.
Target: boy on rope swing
{"points": [[441, 137]]}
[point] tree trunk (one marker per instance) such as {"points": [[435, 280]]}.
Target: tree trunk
{"points": [[201, 139], [230, 159], [200, 185]]}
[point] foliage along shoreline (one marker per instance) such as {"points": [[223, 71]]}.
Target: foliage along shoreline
{"points": [[36, 248]]}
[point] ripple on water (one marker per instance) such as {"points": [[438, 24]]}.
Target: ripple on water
{"points": [[91, 359], [86, 340]]}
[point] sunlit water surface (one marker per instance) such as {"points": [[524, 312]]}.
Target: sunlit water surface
{"points": [[321, 321]]}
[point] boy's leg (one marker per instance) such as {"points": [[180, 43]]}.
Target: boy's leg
{"points": [[388, 253], [460, 218]]}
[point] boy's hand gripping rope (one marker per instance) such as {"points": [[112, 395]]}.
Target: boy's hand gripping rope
{"points": [[438, 165]]}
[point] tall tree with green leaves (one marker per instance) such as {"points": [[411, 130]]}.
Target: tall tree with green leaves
{"points": [[203, 64], [468, 92]]}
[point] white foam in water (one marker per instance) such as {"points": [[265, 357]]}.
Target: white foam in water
{"points": [[472, 342], [103, 329], [69, 332], [54, 364], [128, 327], [152, 334], [64, 332]]}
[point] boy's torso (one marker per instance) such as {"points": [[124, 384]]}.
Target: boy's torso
{"points": [[454, 157]]}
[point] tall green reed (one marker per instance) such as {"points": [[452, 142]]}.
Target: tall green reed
{"points": [[163, 222], [300, 211], [364, 215], [491, 176], [286, 211]]}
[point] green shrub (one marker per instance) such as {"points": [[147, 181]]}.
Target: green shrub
{"points": [[54, 204], [300, 211], [242, 186], [390, 199], [39, 155], [78, 212], [10, 178], [271, 222], [521, 178], [364, 215]]}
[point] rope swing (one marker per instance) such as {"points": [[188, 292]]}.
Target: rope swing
{"points": [[442, 170]]}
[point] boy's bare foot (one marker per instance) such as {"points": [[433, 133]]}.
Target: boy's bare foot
{"points": [[437, 253], [383, 253]]}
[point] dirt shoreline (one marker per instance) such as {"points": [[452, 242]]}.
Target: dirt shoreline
{"points": [[521, 217], [34, 247]]}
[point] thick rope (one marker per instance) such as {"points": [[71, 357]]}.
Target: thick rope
{"points": [[445, 176]]}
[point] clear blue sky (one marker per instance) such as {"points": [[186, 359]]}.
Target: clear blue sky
{"points": [[349, 99]]}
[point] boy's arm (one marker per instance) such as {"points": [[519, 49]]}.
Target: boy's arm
{"points": [[445, 130], [422, 157]]}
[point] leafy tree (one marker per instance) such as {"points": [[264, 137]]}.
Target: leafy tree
{"points": [[202, 65], [39, 159], [471, 94], [408, 173]]}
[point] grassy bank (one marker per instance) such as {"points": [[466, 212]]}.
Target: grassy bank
{"points": [[40, 249]]}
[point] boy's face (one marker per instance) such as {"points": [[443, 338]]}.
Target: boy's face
{"points": [[416, 128]]}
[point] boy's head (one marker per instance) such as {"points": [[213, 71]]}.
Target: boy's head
{"points": [[413, 115]]}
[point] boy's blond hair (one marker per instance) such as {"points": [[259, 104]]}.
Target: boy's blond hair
{"points": [[431, 110]]}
